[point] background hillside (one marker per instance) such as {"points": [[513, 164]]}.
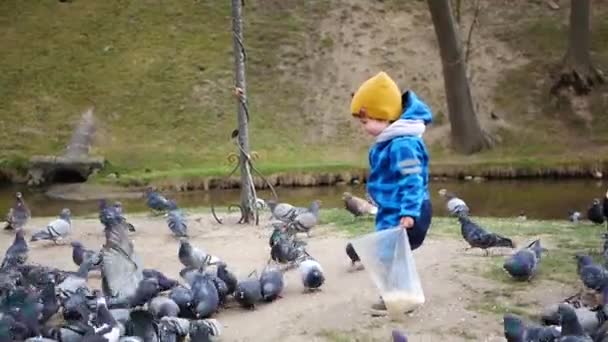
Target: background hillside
{"points": [[160, 73]]}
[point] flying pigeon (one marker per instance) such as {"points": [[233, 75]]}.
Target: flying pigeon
{"points": [[311, 273], [17, 253], [454, 205], [122, 268], [272, 283], [477, 237], [523, 264], [595, 213], [57, 229], [18, 215], [358, 206]]}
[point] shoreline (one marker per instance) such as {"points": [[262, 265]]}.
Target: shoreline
{"points": [[330, 175]]}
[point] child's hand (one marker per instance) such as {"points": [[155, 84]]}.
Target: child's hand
{"points": [[406, 222]]}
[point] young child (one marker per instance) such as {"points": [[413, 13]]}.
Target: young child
{"points": [[398, 178]]}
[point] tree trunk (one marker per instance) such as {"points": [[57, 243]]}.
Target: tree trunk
{"points": [[247, 194], [467, 135], [577, 71]]}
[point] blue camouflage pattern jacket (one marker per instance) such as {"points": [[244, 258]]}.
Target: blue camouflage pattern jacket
{"points": [[399, 161]]}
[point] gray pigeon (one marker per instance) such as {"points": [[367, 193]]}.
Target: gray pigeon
{"points": [[183, 297], [203, 330], [177, 223], [454, 205], [205, 295], [516, 330], [122, 269], [190, 256], [478, 237], [272, 283], [18, 215], [76, 281], [17, 253], [142, 324], [163, 306], [57, 229], [304, 221], [79, 254], [523, 264], [105, 324], [147, 289], [571, 328], [173, 329], [592, 275], [311, 273], [248, 292], [281, 211]]}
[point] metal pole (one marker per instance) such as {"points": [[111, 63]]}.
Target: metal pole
{"points": [[247, 200]]}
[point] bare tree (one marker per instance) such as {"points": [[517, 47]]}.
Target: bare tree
{"points": [[247, 187], [467, 135], [577, 71]]}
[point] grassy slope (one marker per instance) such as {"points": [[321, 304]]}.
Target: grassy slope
{"points": [[160, 74]]}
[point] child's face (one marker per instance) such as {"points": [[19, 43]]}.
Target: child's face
{"points": [[373, 127]]}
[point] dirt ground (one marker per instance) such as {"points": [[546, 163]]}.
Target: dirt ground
{"points": [[337, 313]]}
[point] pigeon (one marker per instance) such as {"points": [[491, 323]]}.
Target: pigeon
{"points": [[203, 330], [79, 254], [205, 295], [143, 325], [75, 281], [228, 277], [595, 213], [164, 282], [311, 273], [189, 256], [279, 230], [248, 292], [147, 289], [182, 296], [454, 205], [173, 329], [570, 326], [272, 283], [304, 221], [352, 254], [57, 229], [48, 298], [523, 264], [574, 216], [286, 250], [177, 223], [105, 324], [605, 207], [121, 269], [75, 306], [119, 209], [516, 330], [358, 206], [477, 237], [592, 275], [398, 336], [163, 306], [281, 211], [221, 287], [156, 201], [18, 215], [17, 253]]}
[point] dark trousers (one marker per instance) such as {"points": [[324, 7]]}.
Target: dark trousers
{"points": [[417, 234]]}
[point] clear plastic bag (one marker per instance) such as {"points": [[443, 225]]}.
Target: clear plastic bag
{"points": [[388, 258]]}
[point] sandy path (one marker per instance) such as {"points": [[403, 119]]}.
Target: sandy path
{"points": [[341, 308]]}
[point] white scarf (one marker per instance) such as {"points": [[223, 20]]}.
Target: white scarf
{"points": [[401, 128]]}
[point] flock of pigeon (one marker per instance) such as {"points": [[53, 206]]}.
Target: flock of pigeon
{"points": [[39, 303]]}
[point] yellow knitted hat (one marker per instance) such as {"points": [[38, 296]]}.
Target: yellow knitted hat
{"points": [[380, 97]]}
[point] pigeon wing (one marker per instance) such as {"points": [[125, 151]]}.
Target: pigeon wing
{"points": [[121, 269]]}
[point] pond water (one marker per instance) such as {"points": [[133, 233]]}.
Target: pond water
{"points": [[539, 199]]}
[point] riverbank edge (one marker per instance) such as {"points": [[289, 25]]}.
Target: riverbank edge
{"points": [[337, 174]]}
